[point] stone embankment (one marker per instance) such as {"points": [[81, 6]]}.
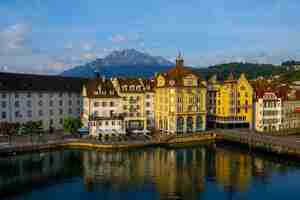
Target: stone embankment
{"points": [[274, 144]]}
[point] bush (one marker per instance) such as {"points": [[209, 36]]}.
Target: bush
{"points": [[71, 125]]}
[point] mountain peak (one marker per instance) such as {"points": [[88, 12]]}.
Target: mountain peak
{"points": [[126, 62], [128, 57]]}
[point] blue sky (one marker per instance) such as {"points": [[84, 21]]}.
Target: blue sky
{"points": [[48, 36]]}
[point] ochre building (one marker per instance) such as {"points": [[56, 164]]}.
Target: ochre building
{"points": [[230, 103], [180, 101]]}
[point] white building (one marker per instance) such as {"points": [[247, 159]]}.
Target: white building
{"points": [[102, 108], [268, 112], [50, 99]]}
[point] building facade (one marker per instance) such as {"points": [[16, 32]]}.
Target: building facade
{"points": [[230, 103], [180, 101], [291, 110], [137, 103], [49, 99], [268, 112], [102, 108]]}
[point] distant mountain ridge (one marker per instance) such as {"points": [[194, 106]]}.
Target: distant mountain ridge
{"points": [[128, 62], [252, 70], [132, 63]]}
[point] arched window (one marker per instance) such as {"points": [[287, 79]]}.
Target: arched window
{"points": [[189, 124], [199, 123], [180, 123]]}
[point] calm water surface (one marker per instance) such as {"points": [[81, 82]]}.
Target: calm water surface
{"points": [[202, 172]]}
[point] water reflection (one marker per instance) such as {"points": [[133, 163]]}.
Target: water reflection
{"points": [[189, 173]]}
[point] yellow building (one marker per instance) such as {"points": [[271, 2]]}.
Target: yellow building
{"points": [[180, 97], [230, 104]]}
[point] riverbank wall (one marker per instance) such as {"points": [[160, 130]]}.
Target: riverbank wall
{"points": [[254, 141]]}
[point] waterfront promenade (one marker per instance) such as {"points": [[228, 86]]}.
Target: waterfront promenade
{"points": [[286, 145]]}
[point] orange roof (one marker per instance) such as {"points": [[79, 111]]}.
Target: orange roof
{"points": [[178, 72]]}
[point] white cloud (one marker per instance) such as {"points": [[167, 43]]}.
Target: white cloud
{"points": [[118, 39], [13, 40]]}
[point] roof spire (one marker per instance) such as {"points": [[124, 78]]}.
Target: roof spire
{"points": [[179, 60]]}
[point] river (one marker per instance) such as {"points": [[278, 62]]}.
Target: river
{"points": [[212, 171]]}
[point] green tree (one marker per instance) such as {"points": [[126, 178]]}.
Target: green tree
{"points": [[71, 124]]}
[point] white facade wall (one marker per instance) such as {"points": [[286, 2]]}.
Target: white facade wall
{"points": [[102, 116], [49, 107], [270, 122], [107, 127]]}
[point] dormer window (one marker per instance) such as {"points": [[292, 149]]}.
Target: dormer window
{"points": [[125, 87], [131, 88], [138, 87]]}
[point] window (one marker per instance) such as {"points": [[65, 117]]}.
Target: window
{"points": [[61, 121], [78, 102], [28, 94], [40, 103], [113, 123], [70, 102], [147, 96], [40, 113], [3, 104], [60, 111], [111, 104], [51, 112], [100, 123], [60, 102], [40, 95], [3, 115], [51, 95], [51, 122], [60, 94], [96, 104], [17, 104], [51, 103], [70, 111], [106, 123], [29, 113], [70, 95], [17, 114], [148, 104], [124, 107], [28, 103], [104, 104]]}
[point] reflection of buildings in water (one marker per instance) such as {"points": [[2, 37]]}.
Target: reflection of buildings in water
{"points": [[233, 169], [173, 173], [31, 169]]}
